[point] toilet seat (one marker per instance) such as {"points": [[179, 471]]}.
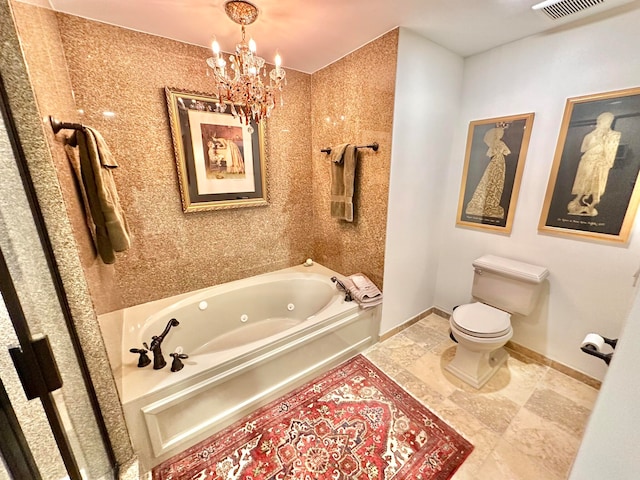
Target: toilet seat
{"points": [[481, 320]]}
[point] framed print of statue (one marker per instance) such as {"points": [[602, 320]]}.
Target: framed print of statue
{"points": [[493, 165], [593, 188]]}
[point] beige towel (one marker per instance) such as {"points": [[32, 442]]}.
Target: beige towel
{"points": [[342, 181], [110, 229], [337, 153]]}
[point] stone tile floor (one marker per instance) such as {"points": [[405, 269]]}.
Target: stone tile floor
{"points": [[526, 423]]}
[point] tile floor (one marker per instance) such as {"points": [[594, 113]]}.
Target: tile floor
{"points": [[526, 423]]}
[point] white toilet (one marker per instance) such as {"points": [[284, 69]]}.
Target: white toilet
{"points": [[502, 286]]}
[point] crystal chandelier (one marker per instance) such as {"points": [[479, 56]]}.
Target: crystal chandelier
{"points": [[240, 83]]}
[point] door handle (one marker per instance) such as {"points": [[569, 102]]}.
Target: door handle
{"points": [[37, 377]]}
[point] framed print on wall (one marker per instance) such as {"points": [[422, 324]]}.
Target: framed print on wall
{"points": [[493, 165], [220, 160], [593, 188]]}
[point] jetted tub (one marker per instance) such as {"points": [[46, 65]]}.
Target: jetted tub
{"points": [[248, 342]]}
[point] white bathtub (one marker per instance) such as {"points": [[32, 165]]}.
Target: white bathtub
{"points": [[248, 342]]}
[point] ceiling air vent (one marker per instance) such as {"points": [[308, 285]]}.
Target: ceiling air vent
{"points": [[559, 9]]}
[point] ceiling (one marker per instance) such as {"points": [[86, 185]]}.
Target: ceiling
{"points": [[310, 34]]}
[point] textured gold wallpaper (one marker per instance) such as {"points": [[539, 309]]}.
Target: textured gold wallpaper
{"points": [[42, 45], [352, 102], [108, 68], [125, 72]]}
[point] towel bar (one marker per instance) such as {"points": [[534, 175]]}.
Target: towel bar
{"points": [[374, 146], [57, 125]]}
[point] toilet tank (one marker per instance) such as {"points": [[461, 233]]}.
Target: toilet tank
{"points": [[507, 284]]}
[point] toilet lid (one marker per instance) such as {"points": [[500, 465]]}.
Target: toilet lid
{"points": [[480, 320]]}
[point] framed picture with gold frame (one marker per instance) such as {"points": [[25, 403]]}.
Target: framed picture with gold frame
{"points": [[593, 189], [493, 166], [220, 160]]}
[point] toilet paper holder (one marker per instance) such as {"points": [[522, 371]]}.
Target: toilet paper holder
{"points": [[591, 350]]}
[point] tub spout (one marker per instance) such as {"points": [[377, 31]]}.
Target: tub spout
{"points": [[156, 345], [343, 287]]}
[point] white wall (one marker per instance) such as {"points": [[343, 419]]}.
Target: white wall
{"points": [[609, 448], [590, 286], [427, 102]]}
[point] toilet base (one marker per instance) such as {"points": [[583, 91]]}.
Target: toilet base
{"points": [[476, 368]]}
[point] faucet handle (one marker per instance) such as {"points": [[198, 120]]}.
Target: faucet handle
{"points": [[177, 364], [144, 359]]}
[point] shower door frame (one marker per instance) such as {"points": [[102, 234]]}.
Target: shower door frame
{"points": [[20, 323]]}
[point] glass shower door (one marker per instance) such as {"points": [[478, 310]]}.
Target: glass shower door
{"points": [[38, 348]]}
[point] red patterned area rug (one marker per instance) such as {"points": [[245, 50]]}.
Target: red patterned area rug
{"points": [[353, 422]]}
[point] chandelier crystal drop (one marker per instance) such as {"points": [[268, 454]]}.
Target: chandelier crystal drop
{"points": [[239, 82]]}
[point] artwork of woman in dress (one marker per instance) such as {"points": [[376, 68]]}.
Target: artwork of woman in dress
{"points": [[598, 150], [487, 195], [223, 156]]}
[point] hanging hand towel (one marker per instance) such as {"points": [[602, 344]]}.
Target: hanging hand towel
{"points": [[337, 153], [342, 181], [96, 165]]}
